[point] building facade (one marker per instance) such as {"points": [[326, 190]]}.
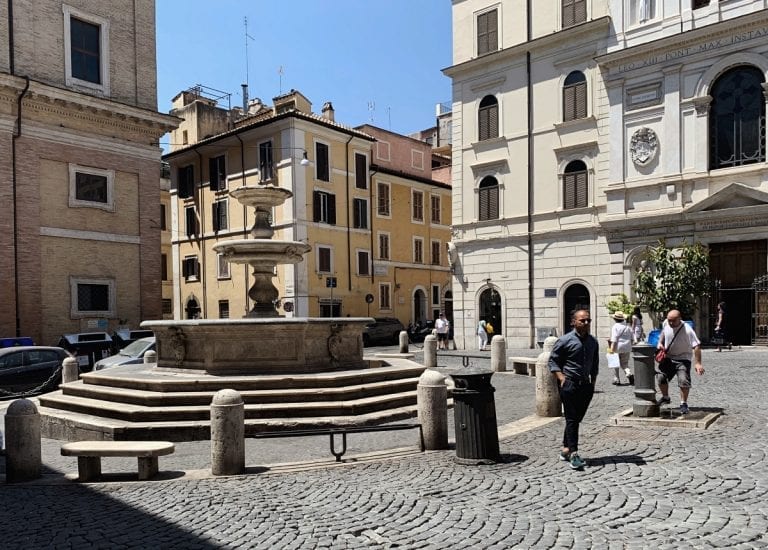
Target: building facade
{"points": [[79, 126], [354, 206], [633, 121]]}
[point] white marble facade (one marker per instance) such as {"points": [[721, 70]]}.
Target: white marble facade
{"points": [[644, 148]]}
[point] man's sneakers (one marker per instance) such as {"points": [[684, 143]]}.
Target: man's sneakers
{"points": [[565, 456], [616, 382], [663, 400], [631, 378], [684, 408], [576, 462]]}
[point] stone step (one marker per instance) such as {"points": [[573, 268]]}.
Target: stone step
{"points": [[168, 413], [253, 396], [76, 426], [164, 380]]}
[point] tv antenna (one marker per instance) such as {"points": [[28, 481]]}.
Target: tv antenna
{"points": [[371, 108], [247, 36], [281, 72]]}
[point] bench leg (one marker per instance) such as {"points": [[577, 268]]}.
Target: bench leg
{"points": [[520, 368], [532, 369], [148, 467], [88, 468]]}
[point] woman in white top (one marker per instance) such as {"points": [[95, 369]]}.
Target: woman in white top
{"points": [[637, 325], [482, 335], [621, 343]]}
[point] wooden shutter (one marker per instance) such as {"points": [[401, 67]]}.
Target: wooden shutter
{"points": [[361, 171], [356, 219], [482, 34], [569, 103], [569, 191], [493, 121], [185, 268], [316, 206], [487, 32], [331, 208], [568, 13], [215, 215], [579, 11], [484, 209], [483, 124], [493, 203], [493, 31], [213, 173], [581, 189]]}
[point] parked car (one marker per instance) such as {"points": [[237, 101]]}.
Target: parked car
{"points": [[131, 354], [24, 368], [16, 341], [383, 330]]}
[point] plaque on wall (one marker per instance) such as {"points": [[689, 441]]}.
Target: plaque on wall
{"points": [[643, 146]]}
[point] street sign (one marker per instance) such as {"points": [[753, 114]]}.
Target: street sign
{"points": [[330, 282]]}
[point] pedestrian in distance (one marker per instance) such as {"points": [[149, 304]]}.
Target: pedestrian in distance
{"points": [[621, 344], [680, 342], [482, 335], [441, 325], [720, 335], [574, 362], [637, 326]]}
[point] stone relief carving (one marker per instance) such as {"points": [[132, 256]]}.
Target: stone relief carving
{"points": [[335, 343], [643, 146], [177, 342]]}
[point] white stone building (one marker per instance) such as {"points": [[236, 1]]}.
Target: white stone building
{"points": [[585, 130]]}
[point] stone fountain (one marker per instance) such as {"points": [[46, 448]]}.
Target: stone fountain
{"points": [[292, 372]]}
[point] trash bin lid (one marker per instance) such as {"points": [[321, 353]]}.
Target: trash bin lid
{"points": [[471, 378]]}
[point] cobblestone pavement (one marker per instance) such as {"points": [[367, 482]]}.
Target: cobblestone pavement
{"points": [[664, 488]]}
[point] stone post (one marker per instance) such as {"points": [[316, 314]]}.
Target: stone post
{"points": [[227, 433], [430, 351], [150, 356], [432, 400], [70, 371], [498, 354], [23, 452], [403, 341], [547, 393], [645, 381]]}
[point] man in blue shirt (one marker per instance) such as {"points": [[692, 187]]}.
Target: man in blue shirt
{"points": [[574, 361]]}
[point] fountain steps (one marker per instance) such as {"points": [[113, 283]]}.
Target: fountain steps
{"points": [[136, 402]]}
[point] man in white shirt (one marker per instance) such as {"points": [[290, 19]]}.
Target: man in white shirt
{"points": [[680, 342], [441, 325]]}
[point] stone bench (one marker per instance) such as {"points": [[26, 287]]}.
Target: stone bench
{"points": [[89, 455], [523, 365]]}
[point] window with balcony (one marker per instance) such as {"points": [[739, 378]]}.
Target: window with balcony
{"points": [[488, 199], [737, 118], [575, 185], [574, 96], [488, 118]]}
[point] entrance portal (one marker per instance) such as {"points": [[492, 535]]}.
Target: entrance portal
{"points": [[576, 297], [490, 309]]}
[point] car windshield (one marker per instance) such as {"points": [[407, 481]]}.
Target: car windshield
{"points": [[134, 349]]}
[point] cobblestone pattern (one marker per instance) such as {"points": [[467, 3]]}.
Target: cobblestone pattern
{"points": [[662, 488]]}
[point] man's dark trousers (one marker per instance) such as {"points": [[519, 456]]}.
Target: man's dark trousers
{"points": [[576, 396]]}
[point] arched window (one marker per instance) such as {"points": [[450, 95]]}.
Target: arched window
{"points": [[488, 199], [737, 118], [575, 96], [488, 118], [575, 185]]}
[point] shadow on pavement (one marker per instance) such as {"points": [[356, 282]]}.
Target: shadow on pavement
{"points": [[616, 459]]}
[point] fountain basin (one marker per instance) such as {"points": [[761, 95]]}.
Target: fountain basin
{"points": [[263, 195], [259, 346], [263, 251]]}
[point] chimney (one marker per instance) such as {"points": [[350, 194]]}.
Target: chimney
{"points": [[245, 97], [328, 111]]}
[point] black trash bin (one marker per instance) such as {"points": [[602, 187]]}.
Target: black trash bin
{"points": [[474, 415], [88, 347], [124, 336]]}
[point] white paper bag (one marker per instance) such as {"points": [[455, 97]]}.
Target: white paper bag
{"points": [[613, 360]]}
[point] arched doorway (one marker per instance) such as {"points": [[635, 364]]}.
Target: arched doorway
{"points": [[192, 308], [490, 309], [419, 307], [576, 297]]}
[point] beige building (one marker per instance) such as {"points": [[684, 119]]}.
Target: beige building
{"points": [[79, 125], [365, 206], [585, 130]]}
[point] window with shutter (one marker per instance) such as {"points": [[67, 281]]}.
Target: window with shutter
{"points": [[363, 263], [324, 259], [383, 246], [191, 219], [217, 171], [383, 202], [574, 12], [186, 181], [266, 161], [361, 171], [435, 210], [487, 32], [488, 199], [574, 96], [219, 212], [418, 251], [360, 214], [575, 185], [435, 252], [488, 118], [322, 162], [418, 206]]}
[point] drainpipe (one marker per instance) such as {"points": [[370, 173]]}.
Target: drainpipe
{"points": [[16, 135], [245, 214], [370, 214], [529, 86], [349, 228], [204, 307]]}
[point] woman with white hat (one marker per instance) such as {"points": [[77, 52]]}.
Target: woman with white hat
{"points": [[621, 343]]}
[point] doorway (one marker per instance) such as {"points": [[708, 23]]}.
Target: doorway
{"points": [[419, 307], [490, 309], [576, 297]]}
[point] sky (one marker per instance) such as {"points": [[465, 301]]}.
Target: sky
{"points": [[378, 62]]}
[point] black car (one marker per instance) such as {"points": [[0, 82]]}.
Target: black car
{"points": [[385, 330], [25, 368]]}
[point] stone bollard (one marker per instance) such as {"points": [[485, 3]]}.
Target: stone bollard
{"points": [[227, 433], [498, 354], [430, 351], [432, 399], [644, 405], [150, 357], [23, 451], [70, 371], [547, 393], [403, 341]]}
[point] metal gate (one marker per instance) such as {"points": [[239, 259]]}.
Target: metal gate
{"points": [[760, 310]]}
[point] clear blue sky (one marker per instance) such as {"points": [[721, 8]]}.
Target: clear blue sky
{"points": [[351, 52]]}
